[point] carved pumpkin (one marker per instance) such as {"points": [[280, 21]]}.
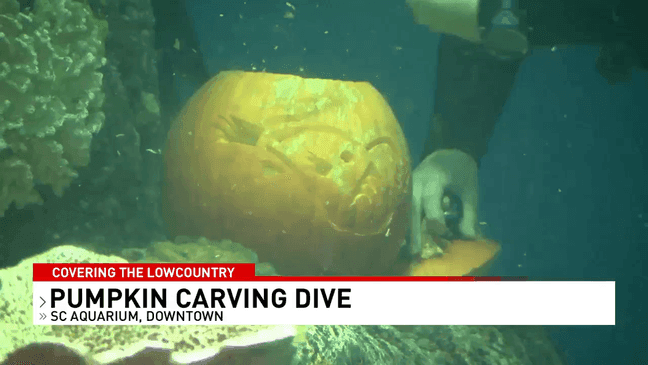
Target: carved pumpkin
{"points": [[312, 174]]}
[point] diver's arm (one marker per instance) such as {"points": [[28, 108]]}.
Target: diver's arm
{"points": [[472, 87], [476, 72], [478, 62]]}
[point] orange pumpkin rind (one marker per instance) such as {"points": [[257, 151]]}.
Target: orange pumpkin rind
{"points": [[312, 174]]}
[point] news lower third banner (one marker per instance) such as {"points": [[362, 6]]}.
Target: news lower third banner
{"points": [[230, 294]]}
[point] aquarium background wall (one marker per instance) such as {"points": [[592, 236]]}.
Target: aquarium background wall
{"points": [[563, 185]]}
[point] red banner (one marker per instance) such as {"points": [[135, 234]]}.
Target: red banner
{"points": [[143, 272]]}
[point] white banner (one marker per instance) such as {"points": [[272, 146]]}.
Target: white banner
{"points": [[325, 303]]}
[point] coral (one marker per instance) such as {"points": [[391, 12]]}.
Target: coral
{"points": [[426, 345], [50, 95], [114, 201], [23, 341], [200, 250]]}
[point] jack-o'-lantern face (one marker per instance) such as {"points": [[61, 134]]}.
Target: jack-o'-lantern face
{"points": [[312, 174]]}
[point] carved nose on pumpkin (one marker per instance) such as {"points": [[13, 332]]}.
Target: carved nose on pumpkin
{"points": [[312, 174]]}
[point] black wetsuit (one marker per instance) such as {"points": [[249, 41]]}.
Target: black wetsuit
{"points": [[473, 85]]}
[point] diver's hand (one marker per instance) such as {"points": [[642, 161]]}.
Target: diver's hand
{"points": [[444, 171]]}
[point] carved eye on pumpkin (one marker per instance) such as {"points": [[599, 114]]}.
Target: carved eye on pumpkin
{"points": [[309, 173]]}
